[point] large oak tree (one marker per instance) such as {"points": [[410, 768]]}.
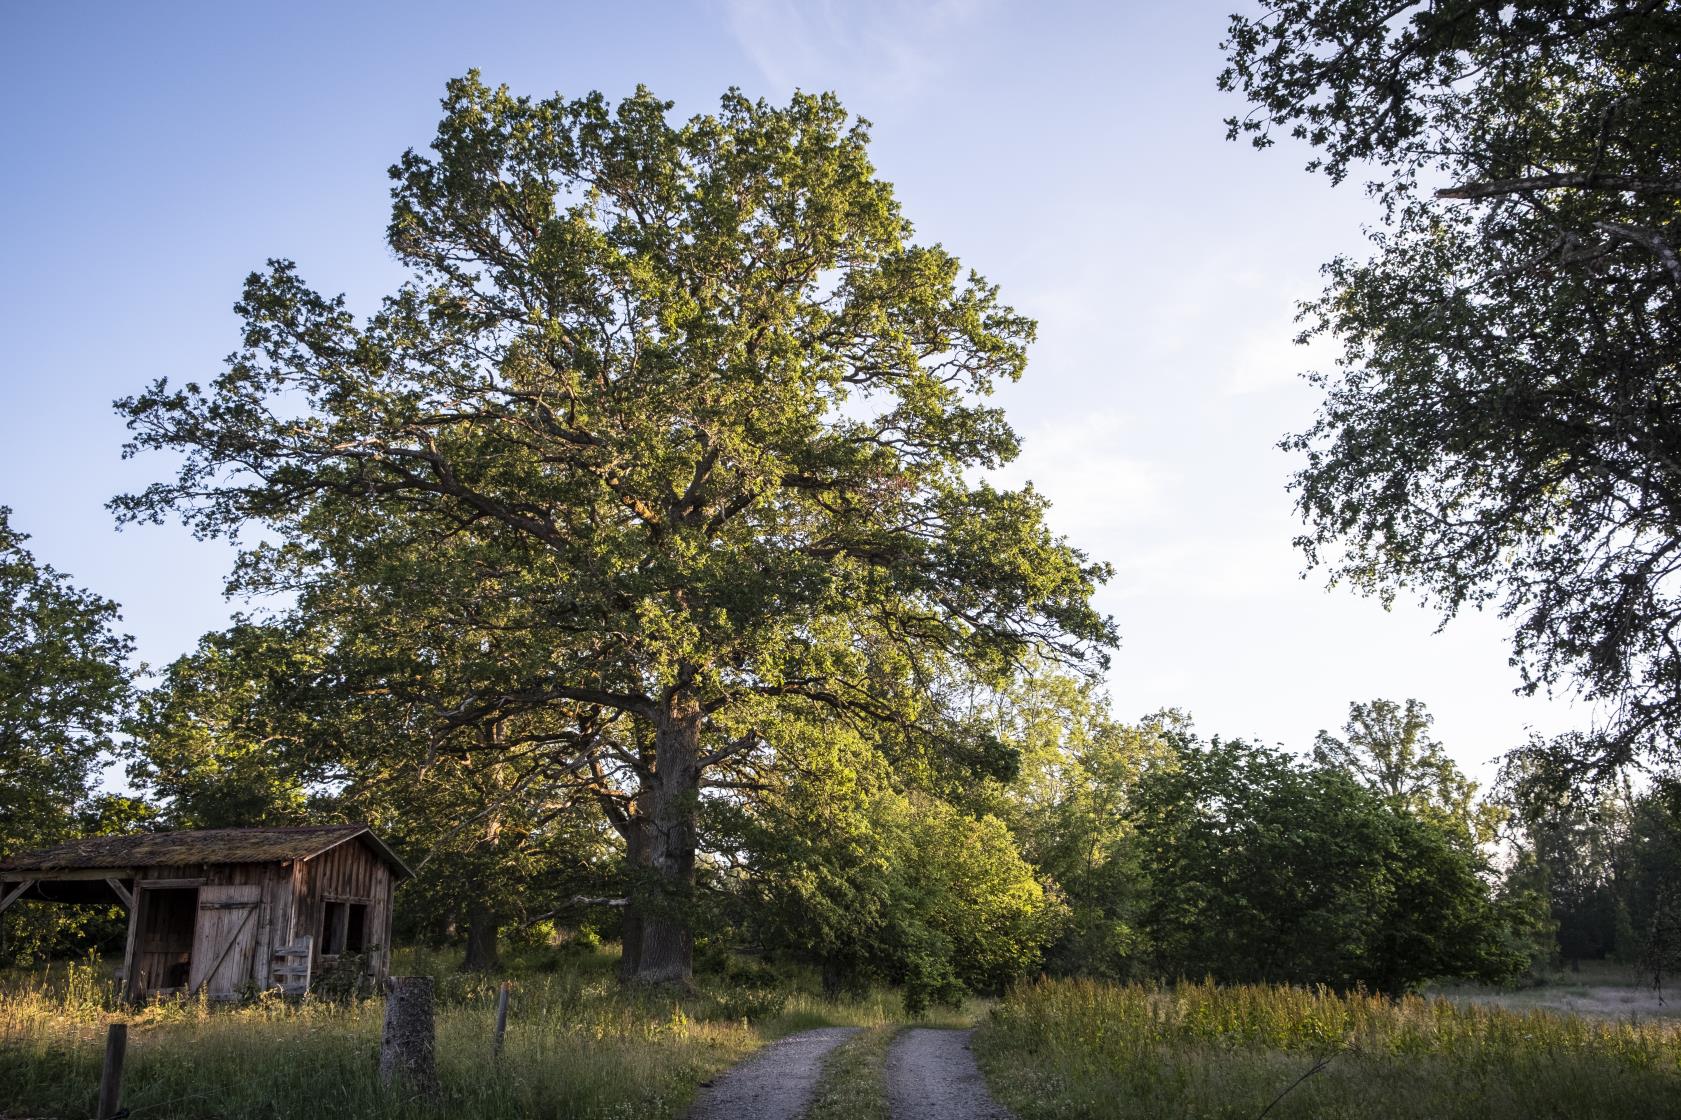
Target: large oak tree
{"points": [[672, 423]]}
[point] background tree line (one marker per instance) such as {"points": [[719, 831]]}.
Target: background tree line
{"points": [[1084, 845]]}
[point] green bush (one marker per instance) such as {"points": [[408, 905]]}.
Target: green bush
{"points": [[747, 1004]]}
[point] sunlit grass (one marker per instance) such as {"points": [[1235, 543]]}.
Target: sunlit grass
{"points": [[1081, 1049], [578, 1044]]}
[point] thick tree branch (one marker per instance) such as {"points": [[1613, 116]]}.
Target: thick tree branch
{"points": [[1581, 180]]}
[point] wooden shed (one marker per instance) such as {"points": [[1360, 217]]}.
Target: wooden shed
{"points": [[226, 909]]}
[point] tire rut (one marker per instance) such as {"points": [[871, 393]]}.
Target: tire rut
{"points": [[931, 1075], [775, 1084]]}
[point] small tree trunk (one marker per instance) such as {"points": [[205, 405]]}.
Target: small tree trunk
{"points": [[666, 920], [482, 928], [482, 921], [407, 1048]]}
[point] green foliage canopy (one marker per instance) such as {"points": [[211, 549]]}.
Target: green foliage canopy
{"points": [[1259, 868], [1502, 425], [1072, 809], [64, 689], [1602, 862], [1387, 748], [879, 884], [231, 735]]}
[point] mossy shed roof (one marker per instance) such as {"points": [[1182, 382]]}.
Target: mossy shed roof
{"points": [[210, 845]]}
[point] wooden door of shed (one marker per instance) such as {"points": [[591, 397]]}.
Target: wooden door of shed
{"points": [[225, 939]]}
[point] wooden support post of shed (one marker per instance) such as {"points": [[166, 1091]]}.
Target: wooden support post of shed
{"points": [[12, 895], [131, 970], [121, 892]]}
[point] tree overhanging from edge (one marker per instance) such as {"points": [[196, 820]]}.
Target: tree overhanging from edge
{"points": [[1504, 426], [672, 423]]}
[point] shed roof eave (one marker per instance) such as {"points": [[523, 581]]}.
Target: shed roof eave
{"points": [[204, 847], [379, 846]]}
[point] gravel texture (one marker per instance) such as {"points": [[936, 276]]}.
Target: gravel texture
{"points": [[931, 1075], [774, 1084]]}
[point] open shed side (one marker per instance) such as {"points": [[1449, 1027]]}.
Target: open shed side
{"points": [[227, 910]]}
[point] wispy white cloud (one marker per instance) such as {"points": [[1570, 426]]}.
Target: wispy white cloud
{"points": [[1268, 357], [1096, 485], [883, 47], [1209, 567]]}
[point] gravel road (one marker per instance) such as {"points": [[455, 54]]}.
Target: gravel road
{"points": [[931, 1075], [774, 1084]]}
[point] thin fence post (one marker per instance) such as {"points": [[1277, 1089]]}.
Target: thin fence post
{"points": [[111, 1078], [502, 1015]]}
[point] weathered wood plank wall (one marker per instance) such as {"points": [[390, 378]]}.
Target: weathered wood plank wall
{"points": [[352, 873]]}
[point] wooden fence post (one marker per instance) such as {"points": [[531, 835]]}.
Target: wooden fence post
{"points": [[111, 1078], [502, 1015], [406, 1051]]}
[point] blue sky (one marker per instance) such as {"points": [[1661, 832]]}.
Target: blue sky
{"points": [[1074, 153]]}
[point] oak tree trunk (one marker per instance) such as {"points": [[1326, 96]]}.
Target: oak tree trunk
{"points": [[482, 928], [636, 857], [665, 901], [483, 923]]}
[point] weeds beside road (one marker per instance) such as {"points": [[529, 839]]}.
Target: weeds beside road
{"points": [[1064, 1049], [578, 1046]]}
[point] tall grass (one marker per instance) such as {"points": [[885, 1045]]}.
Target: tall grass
{"points": [[577, 1046], [1075, 1048]]}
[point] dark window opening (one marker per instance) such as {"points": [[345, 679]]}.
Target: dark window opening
{"points": [[356, 928], [344, 928], [332, 929]]}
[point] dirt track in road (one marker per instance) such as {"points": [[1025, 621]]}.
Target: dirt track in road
{"points": [[931, 1075], [774, 1084]]}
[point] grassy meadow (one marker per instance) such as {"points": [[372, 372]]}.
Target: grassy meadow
{"points": [[1595, 988], [580, 1046], [577, 1046], [1066, 1049]]}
